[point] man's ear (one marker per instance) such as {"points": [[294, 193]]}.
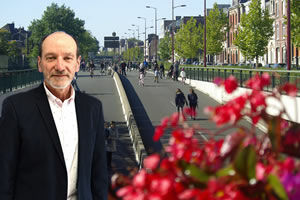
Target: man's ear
{"points": [[39, 64], [78, 64]]}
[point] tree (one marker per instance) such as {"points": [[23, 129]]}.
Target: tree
{"points": [[255, 31], [4, 37], [188, 40], [295, 21], [57, 18], [165, 47], [216, 26], [8, 47]]}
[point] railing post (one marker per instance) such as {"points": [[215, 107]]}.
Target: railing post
{"points": [[202, 75], [241, 78], [273, 80], [198, 74], [225, 74]]}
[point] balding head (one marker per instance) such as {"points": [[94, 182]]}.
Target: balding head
{"points": [[55, 34]]}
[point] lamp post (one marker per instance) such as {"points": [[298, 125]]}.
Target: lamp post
{"points": [[138, 30], [145, 36], [204, 52], [155, 45], [288, 38], [172, 27], [133, 32]]}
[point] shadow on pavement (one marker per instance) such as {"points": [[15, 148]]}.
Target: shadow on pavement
{"points": [[142, 119]]}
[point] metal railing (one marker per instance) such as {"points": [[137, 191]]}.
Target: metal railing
{"points": [[11, 80], [208, 74]]}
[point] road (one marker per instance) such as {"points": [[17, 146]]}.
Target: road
{"points": [[157, 100]]}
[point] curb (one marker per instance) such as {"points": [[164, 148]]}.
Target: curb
{"points": [[138, 146]]}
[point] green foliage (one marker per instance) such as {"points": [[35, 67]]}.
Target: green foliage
{"points": [[295, 21], [57, 18], [255, 31], [245, 162], [165, 47], [188, 40], [133, 54], [216, 27], [4, 37], [8, 47]]}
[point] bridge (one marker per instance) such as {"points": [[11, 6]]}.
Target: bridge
{"points": [[136, 109]]}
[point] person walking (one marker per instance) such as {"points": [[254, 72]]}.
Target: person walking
{"points": [[162, 70], [183, 76], [193, 102], [92, 68], [156, 75], [176, 71], [113, 136], [180, 100], [52, 143], [141, 76]]}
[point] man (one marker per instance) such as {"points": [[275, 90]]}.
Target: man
{"points": [[52, 144]]}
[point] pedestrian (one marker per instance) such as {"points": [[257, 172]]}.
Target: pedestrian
{"points": [[162, 70], [170, 72], [123, 68], [112, 137], [176, 71], [141, 76], [193, 102], [156, 75], [180, 100], [183, 76], [92, 68], [52, 144]]}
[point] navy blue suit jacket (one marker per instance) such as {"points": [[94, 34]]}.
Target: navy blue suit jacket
{"points": [[32, 165]]}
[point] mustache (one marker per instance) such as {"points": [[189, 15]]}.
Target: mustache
{"points": [[56, 73]]}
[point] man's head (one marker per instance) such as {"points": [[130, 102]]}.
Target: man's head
{"points": [[58, 60]]}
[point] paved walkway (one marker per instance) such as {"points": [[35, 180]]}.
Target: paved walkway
{"points": [[157, 100]]}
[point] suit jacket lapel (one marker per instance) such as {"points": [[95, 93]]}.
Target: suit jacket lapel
{"points": [[44, 107], [81, 119]]}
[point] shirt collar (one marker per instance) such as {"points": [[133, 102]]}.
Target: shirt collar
{"points": [[56, 100]]}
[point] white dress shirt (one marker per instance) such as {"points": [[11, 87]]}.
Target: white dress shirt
{"points": [[64, 114]]}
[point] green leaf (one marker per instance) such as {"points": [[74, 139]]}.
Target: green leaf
{"points": [[245, 162], [274, 132], [277, 187], [226, 171], [197, 173]]}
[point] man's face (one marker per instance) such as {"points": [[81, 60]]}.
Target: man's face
{"points": [[58, 61]]}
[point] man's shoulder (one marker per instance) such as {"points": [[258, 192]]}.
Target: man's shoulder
{"points": [[23, 96]]}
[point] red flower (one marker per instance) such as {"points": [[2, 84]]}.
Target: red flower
{"points": [[159, 131], [230, 84], [290, 89], [257, 100], [139, 179], [258, 82], [218, 81], [152, 161]]}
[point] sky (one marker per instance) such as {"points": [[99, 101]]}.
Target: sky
{"points": [[102, 17]]}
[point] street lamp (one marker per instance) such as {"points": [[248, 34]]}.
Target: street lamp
{"points": [[204, 52], [145, 36], [172, 27], [156, 39], [133, 32], [288, 7], [138, 30], [155, 45]]}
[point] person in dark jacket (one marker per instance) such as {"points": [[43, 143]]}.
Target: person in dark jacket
{"points": [[193, 101], [180, 100]]}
